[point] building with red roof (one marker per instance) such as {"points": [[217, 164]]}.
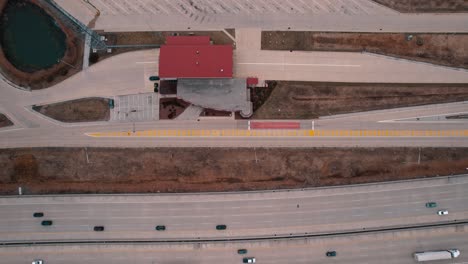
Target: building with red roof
{"points": [[194, 57]]}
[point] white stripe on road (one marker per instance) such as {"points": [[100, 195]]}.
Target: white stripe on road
{"points": [[300, 64]]}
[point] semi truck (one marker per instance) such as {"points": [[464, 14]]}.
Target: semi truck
{"points": [[437, 255]]}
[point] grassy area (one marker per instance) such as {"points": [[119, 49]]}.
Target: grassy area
{"points": [[429, 6], [4, 121], [306, 100], [81, 110], [124, 170], [440, 48]]}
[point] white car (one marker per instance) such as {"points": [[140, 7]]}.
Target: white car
{"points": [[442, 212], [248, 260], [38, 261]]}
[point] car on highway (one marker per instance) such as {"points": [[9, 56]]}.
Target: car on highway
{"points": [[160, 228], [221, 227], [242, 251], [38, 214], [154, 78], [38, 261], [46, 223], [431, 204], [331, 253], [98, 228], [442, 212], [248, 260]]}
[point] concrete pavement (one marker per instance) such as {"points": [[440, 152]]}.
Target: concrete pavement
{"points": [[313, 15], [249, 214], [383, 247]]}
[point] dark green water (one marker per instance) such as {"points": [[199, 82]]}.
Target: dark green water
{"points": [[30, 38]]}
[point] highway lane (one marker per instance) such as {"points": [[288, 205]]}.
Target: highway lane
{"points": [[251, 214], [380, 247]]}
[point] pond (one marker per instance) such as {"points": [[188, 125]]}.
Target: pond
{"points": [[30, 38]]}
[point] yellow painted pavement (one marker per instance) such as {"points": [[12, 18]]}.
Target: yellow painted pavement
{"points": [[281, 133]]}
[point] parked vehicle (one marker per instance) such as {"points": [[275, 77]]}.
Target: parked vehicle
{"points": [[156, 85], [248, 260], [442, 212], [154, 78], [38, 214], [242, 251], [111, 103], [436, 255], [331, 253], [98, 228], [431, 204], [38, 261], [46, 223], [221, 227], [160, 228]]}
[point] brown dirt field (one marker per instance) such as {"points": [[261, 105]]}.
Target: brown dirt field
{"points": [[150, 38], [444, 49], [114, 170], [4, 121], [306, 100], [80, 110], [170, 108], [421, 6], [51, 76]]}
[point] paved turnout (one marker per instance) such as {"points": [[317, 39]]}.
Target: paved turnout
{"points": [[250, 214]]}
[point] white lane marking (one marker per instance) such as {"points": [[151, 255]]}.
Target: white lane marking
{"points": [[424, 116], [300, 64]]}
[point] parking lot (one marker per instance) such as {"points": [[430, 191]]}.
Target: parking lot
{"points": [[199, 8], [135, 107]]}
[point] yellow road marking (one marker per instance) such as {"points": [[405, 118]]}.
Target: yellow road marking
{"points": [[281, 133]]}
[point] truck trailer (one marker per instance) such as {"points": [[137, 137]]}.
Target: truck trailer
{"points": [[437, 255]]}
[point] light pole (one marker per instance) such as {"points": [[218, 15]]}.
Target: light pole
{"points": [[66, 63]]}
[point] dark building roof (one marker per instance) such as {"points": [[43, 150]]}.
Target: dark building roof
{"points": [[190, 58]]}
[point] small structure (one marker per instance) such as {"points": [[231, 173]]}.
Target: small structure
{"points": [[203, 73]]}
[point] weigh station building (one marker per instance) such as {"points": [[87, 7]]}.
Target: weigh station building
{"points": [[203, 74]]}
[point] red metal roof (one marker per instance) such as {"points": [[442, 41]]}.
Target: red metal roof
{"points": [[195, 61], [188, 40], [252, 81]]}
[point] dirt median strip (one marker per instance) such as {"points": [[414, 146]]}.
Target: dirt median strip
{"points": [[306, 100], [4, 121], [80, 110], [423, 6], [438, 48], [130, 170]]}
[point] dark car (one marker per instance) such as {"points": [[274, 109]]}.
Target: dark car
{"points": [[156, 85], [154, 78], [221, 227], [331, 254], [242, 251], [160, 228], [431, 204], [46, 223], [111, 103], [98, 228], [38, 214]]}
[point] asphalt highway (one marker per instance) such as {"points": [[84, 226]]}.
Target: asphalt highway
{"points": [[250, 214], [394, 247]]}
